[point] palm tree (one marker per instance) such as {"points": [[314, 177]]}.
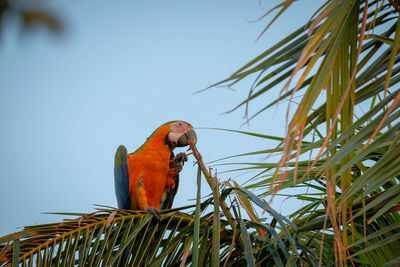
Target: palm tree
{"points": [[341, 147], [29, 16]]}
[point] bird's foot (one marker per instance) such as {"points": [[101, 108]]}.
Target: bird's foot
{"points": [[155, 212], [178, 161]]}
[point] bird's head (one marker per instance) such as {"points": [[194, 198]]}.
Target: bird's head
{"points": [[181, 134]]}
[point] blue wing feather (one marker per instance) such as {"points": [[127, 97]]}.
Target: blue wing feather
{"points": [[121, 178]]}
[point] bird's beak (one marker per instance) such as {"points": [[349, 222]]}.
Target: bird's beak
{"points": [[187, 138]]}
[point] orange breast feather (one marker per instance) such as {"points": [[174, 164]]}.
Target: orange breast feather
{"points": [[149, 170]]}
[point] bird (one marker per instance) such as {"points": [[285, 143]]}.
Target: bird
{"points": [[148, 178]]}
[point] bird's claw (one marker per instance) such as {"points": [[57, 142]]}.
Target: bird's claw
{"points": [[178, 161], [155, 212], [181, 157]]}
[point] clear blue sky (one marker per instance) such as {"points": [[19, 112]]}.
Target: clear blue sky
{"points": [[118, 72]]}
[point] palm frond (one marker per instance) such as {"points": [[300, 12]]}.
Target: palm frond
{"points": [[343, 137]]}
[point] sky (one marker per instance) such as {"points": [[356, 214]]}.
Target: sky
{"points": [[116, 73]]}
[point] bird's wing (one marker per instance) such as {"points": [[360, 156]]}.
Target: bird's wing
{"points": [[121, 178]]}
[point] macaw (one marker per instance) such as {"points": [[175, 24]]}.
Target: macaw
{"points": [[148, 178]]}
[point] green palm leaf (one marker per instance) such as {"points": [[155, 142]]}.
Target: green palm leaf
{"points": [[106, 237], [343, 68]]}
